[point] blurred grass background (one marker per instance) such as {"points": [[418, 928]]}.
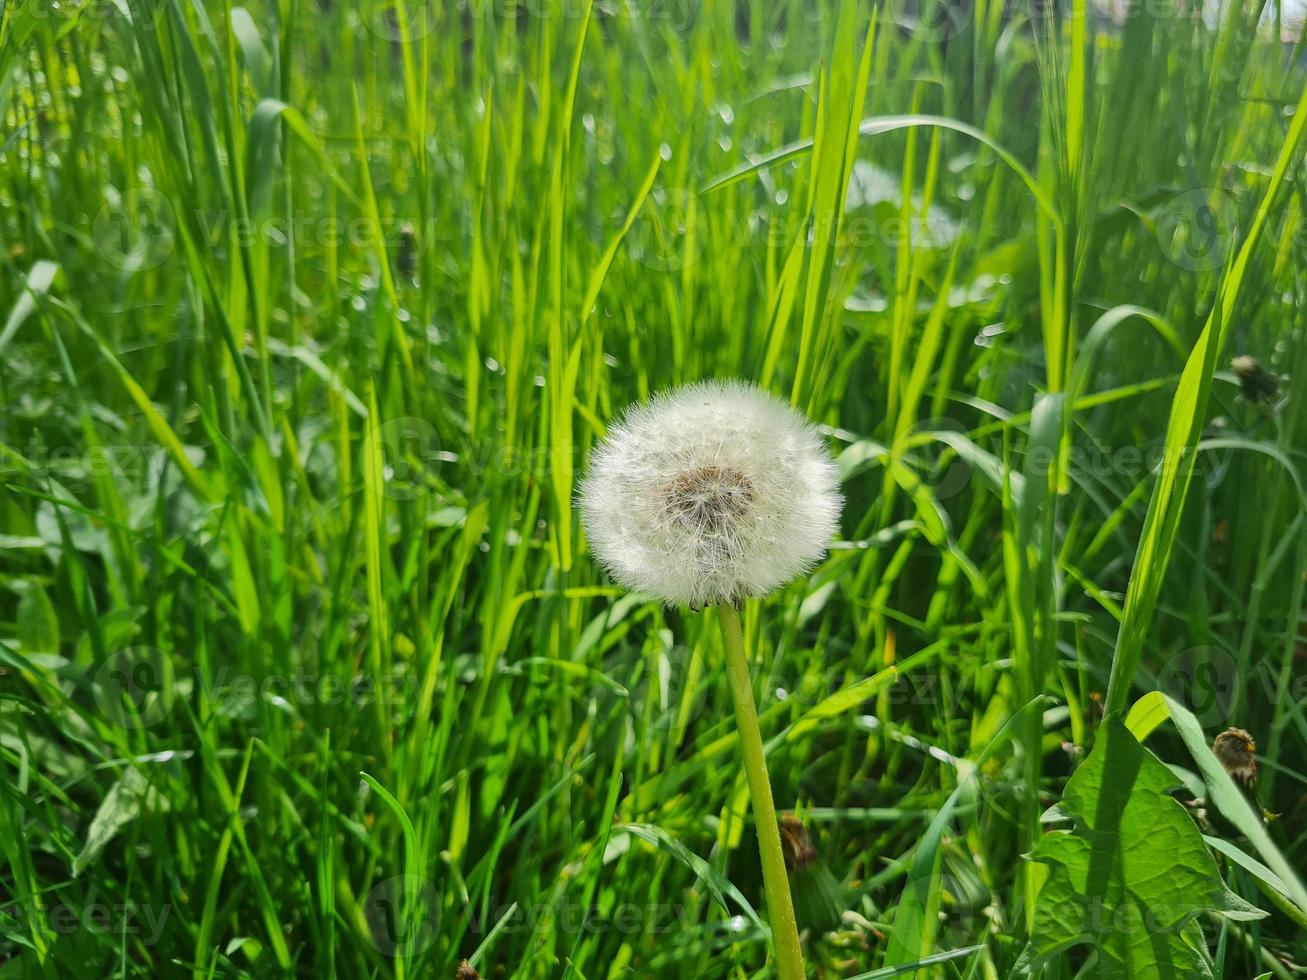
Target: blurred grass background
{"points": [[311, 310]]}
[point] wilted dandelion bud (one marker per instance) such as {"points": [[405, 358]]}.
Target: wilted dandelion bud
{"points": [[406, 261], [1237, 752], [1256, 384], [818, 897], [711, 493]]}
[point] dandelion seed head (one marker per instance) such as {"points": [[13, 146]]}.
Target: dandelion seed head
{"points": [[710, 493]]}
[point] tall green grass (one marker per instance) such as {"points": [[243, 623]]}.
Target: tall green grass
{"points": [[311, 311]]}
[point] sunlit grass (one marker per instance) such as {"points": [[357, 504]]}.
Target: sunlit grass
{"points": [[311, 313]]}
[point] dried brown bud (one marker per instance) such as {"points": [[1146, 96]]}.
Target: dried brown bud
{"points": [[1255, 382], [407, 259], [796, 844], [1237, 752], [818, 898]]}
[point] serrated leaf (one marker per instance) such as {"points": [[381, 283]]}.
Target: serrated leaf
{"points": [[1133, 876]]}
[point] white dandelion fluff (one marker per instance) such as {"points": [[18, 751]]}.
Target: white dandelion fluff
{"points": [[710, 493]]}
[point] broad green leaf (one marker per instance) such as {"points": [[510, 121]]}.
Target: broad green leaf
{"points": [[1146, 714], [1133, 876]]}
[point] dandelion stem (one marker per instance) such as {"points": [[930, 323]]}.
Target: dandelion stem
{"points": [[780, 909]]}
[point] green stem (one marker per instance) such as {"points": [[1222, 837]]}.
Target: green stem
{"points": [[780, 909]]}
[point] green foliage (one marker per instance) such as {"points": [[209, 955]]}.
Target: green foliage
{"points": [[310, 311], [38, 625], [1133, 876]]}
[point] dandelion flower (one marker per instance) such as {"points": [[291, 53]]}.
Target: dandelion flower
{"points": [[708, 494]]}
